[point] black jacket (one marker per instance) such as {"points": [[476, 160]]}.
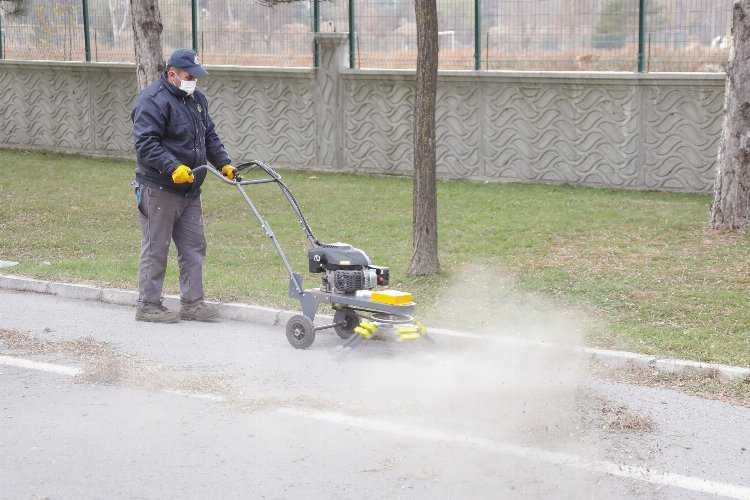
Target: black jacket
{"points": [[172, 128]]}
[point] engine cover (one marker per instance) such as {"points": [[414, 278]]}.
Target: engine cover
{"points": [[336, 256]]}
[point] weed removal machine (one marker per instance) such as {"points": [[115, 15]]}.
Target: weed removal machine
{"points": [[350, 282]]}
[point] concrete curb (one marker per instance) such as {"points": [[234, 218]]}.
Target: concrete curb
{"points": [[270, 316]]}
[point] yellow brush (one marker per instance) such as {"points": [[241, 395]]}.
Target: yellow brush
{"points": [[408, 333], [368, 325], [408, 337], [363, 332]]}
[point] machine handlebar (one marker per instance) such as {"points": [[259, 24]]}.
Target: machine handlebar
{"points": [[273, 175]]}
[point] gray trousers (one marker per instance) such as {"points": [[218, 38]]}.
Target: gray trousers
{"points": [[164, 217]]}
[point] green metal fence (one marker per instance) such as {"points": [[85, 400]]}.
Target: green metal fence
{"points": [[44, 30], [386, 33], [692, 37], [254, 33], [561, 35], [605, 35]]}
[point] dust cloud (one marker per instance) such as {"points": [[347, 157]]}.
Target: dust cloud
{"points": [[522, 380]]}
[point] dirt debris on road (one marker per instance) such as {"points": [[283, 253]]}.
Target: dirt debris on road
{"points": [[706, 386], [102, 363], [551, 406]]}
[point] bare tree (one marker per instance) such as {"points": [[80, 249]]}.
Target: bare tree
{"points": [[13, 7], [424, 258], [731, 205], [147, 28], [117, 7]]}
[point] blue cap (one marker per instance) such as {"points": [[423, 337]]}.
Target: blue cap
{"points": [[187, 59]]}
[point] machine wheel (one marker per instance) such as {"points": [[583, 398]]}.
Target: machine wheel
{"points": [[300, 332], [348, 316]]}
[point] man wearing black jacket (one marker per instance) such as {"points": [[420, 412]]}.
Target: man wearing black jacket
{"points": [[174, 133]]}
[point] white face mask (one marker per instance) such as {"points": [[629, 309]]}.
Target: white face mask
{"points": [[188, 86]]}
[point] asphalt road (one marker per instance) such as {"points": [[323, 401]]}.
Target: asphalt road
{"points": [[230, 410]]}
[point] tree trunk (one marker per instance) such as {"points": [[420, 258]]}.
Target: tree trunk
{"points": [[147, 28], [118, 28], [731, 205], [113, 20], [13, 7], [424, 258]]}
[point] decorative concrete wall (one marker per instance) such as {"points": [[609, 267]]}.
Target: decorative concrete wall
{"points": [[646, 132], [86, 108], [652, 131]]}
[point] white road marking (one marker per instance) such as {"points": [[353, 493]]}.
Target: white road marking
{"points": [[198, 395], [36, 365], [553, 457]]}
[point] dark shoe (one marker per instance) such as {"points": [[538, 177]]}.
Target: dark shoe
{"points": [[156, 313], [199, 311]]}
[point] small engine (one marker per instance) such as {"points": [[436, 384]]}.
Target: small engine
{"points": [[349, 281], [347, 269]]}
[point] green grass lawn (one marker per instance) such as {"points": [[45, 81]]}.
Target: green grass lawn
{"points": [[642, 263]]}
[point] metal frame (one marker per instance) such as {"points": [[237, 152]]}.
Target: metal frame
{"points": [[352, 37], [309, 299], [641, 35], [194, 23], [86, 30], [477, 34], [316, 29]]}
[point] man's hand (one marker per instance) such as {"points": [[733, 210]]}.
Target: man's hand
{"points": [[228, 171], [182, 175]]}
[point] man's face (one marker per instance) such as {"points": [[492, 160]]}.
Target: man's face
{"points": [[177, 75]]}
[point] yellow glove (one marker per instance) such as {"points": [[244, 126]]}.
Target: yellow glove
{"points": [[182, 175], [228, 171]]}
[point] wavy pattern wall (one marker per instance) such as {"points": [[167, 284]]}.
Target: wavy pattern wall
{"points": [[78, 108], [264, 115], [655, 132], [651, 132], [680, 140]]}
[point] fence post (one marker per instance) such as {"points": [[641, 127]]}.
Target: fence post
{"points": [[328, 128], [477, 34], [352, 37], [316, 29], [86, 31], [641, 35], [194, 23], [2, 47]]}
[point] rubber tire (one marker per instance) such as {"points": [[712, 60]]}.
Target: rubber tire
{"points": [[352, 321], [300, 332]]}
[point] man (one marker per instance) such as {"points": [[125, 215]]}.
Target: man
{"points": [[173, 134]]}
